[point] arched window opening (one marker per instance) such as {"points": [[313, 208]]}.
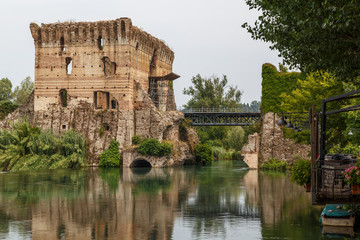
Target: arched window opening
{"points": [[123, 29], [63, 97], [68, 65], [62, 44], [100, 43]]}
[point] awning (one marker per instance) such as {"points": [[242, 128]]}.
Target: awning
{"points": [[171, 77]]}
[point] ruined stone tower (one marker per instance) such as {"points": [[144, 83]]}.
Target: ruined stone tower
{"points": [[99, 63], [105, 80]]}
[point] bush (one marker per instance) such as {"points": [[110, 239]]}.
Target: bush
{"points": [[136, 140], [111, 156], [273, 164], [301, 172], [221, 153], [350, 148], [237, 156], [203, 154], [26, 147], [152, 147], [6, 107]]}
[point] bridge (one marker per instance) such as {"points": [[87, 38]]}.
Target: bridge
{"points": [[220, 116]]}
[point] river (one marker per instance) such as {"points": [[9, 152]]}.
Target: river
{"points": [[225, 201]]}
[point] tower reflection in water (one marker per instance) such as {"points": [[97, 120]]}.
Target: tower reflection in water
{"points": [[223, 201]]}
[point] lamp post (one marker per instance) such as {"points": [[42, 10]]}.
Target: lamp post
{"points": [[282, 121], [290, 125]]}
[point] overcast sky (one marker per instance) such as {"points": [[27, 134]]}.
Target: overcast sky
{"points": [[206, 36]]}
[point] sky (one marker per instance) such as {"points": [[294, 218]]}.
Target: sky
{"points": [[205, 35]]}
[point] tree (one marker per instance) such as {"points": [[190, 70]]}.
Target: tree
{"points": [[22, 92], [235, 138], [5, 89], [311, 91], [212, 92], [254, 106], [311, 35], [6, 107]]}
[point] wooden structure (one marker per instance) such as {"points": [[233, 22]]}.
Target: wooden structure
{"points": [[327, 181]]}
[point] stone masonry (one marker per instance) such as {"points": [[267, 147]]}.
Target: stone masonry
{"points": [[106, 80], [272, 144]]}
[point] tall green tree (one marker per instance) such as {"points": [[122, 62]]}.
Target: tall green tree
{"points": [[22, 92], [254, 106], [311, 91], [5, 89], [311, 35], [212, 92]]}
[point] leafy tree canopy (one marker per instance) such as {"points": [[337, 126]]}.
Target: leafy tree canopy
{"points": [[5, 89], [311, 35], [22, 92], [311, 91], [254, 106], [212, 92]]}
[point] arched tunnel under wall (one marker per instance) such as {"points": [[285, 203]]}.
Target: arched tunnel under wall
{"points": [[140, 163]]}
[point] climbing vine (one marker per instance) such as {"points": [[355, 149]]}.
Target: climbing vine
{"points": [[274, 83]]}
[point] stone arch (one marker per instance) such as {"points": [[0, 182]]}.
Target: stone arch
{"points": [[140, 163]]}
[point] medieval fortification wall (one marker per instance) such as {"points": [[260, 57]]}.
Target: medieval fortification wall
{"points": [[107, 80]]}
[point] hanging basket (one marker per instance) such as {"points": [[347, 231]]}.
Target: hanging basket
{"points": [[355, 189]]}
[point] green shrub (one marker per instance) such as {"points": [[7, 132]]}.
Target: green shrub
{"points": [[301, 172], [152, 147], [26, 147], [237, 156], [273, 164], [111, 156], [221, 153], [350, 148], [136, 140], [6, 107], [203, 154]]}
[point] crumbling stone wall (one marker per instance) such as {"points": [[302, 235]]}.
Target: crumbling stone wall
{"points": [[274, 145], [84, 58], [95, 77], [270, 143], [99, 127], [250, 152]]}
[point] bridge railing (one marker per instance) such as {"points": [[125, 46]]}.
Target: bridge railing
{"points": [[211, 110]]}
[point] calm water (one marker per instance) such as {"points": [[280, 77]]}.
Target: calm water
{"points": [[220, 202]]}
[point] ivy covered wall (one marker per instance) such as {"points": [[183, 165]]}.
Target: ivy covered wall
{"points": [[273, 84]]}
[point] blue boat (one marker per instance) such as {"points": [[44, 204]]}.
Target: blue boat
{"points": [[337, 215]]}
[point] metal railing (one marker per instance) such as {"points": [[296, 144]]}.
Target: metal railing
{"points": [[212, 110]]}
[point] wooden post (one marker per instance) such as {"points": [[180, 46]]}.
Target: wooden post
{"points": [[314, 143]]}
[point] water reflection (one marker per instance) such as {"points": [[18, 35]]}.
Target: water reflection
{"points": [[220, 202]]}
